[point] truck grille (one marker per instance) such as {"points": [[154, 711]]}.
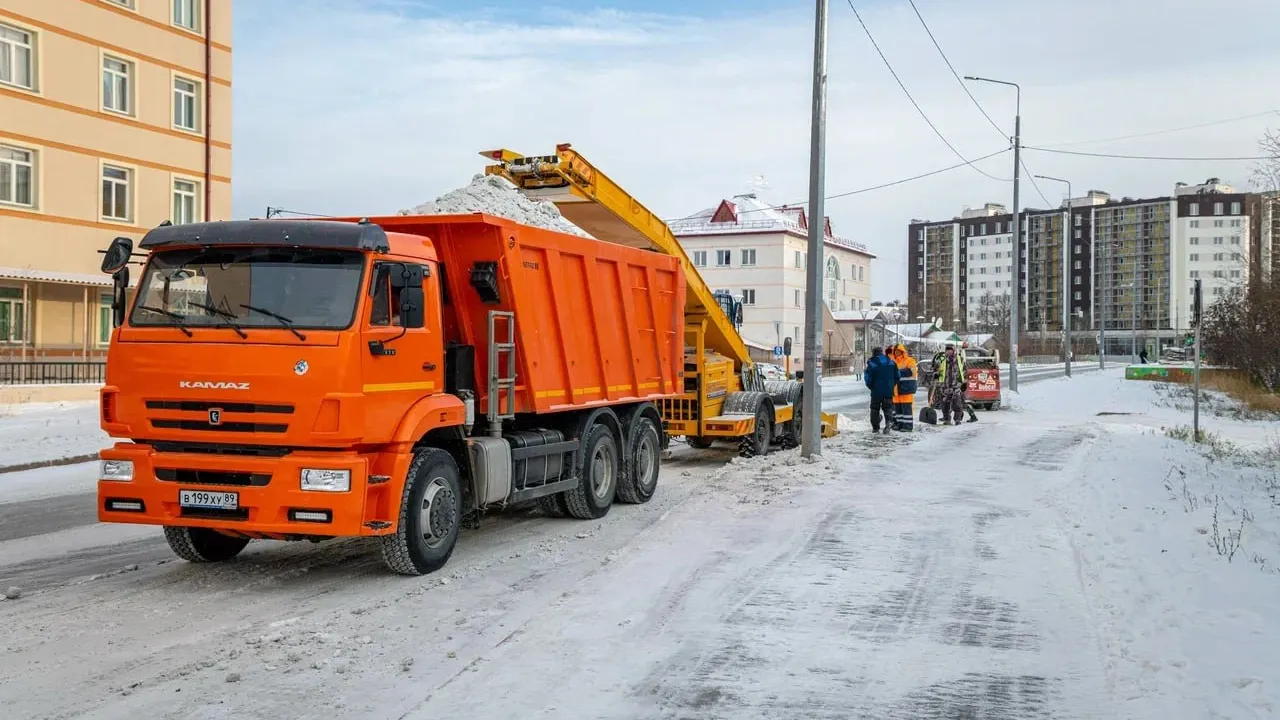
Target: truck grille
{"points": [[213, 477], [204, 411], [221, 449]]}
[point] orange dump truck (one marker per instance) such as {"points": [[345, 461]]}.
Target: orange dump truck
{"points": [[389, 377]]}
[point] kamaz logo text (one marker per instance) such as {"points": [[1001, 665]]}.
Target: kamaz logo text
{"points": [[201, 385]]}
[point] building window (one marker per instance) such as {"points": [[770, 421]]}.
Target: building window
{"points": [[1195, 223], [1217, 291], [104, 319], [186, 104], [122, 3], [983, 230], [186, 14], [1219, 274], [1235, 239], [723, 258], [795, 336], [1235, 208], [1195, 257], [1194, 208], [1218, 223], [1235, 273], [799, 299], [920, 261], [186, 202], [1217, 208], [700, 258], [1219, 257], [1195, 241], [799, 259], [1195, 274], [749, 257], [115, 192], [1077, 265], [1076, 295], [1075, 280], [117, 83], [17, 57], [1236, 257], [1079, 234], [861, 275], [748, 296], [1235, 223], [1217, 240], [17, 176], [1078, 250], [12, 315], [1079, 221]]}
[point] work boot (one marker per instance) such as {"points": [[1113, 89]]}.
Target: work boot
{"points": [[887, 429], [973, 417]]}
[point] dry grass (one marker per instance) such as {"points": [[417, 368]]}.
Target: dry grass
{"points": [[1230, 382]]}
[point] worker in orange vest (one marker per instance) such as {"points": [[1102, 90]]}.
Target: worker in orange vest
{"points": [[904, 395]]}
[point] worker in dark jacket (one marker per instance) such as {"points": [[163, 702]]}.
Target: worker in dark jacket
{"points": [[950, 386], [881, 378]]}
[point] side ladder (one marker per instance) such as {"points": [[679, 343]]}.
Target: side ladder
{"points": [[502, 369]]}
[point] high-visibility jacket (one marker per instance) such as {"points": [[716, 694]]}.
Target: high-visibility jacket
{"points": [[908, 377], [962, 381]]}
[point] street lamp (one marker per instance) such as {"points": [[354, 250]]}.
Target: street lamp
{"points": [[1017, 230], [1066, 243]]}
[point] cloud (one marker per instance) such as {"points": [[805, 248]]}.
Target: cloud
{"points": [[360, 107]]}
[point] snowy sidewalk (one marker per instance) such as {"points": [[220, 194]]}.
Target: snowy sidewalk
{"points": [[39, 434]]}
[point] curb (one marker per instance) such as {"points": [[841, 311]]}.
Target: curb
{"points": [[75, 460]]}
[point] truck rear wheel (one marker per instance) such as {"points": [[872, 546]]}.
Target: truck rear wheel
{"points": [[552, 505], [202, 544], [598, 471], [645, 456], [757, 443], [430, 516]]}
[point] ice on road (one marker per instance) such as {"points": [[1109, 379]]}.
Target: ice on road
{"points": [[1045, 562]]}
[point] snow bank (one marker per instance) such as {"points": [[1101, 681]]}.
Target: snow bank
{"points": [[496, 195], [49, 432]]}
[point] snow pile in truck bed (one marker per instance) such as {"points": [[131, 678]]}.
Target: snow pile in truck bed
{"points": [[496, 195]]}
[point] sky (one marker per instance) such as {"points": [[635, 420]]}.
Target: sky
{"points": [[370, 106]]}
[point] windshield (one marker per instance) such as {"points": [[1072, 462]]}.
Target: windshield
{"points": [[250, 287]]}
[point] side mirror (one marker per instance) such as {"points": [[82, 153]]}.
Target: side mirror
{"points": [[412, 312], [406, 276], [117, 255], [119, 297]]}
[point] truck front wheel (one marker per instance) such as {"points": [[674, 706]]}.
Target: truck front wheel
{"points": [[430, 516], [202, 544], [598, 470]]}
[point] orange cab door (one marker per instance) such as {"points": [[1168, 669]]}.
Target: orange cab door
{"points": [[399, 365]]}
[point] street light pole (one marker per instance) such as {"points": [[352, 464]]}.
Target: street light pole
{"points": [[811, 404], [1014, 325], [1066, 244]]}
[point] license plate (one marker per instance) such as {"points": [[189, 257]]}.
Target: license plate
{"points": [[206, 499]]}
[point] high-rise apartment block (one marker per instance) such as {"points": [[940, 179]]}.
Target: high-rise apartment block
{"points": [[1130, 262], [115, 115]]}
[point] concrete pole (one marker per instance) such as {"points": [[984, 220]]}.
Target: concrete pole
{"points": [[811, 441]]}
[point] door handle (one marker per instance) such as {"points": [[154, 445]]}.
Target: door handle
{"points": [[428, 366]]}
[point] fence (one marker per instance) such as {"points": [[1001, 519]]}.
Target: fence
{"points": [[52, 372]]}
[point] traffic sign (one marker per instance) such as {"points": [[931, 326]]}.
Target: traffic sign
{"points": [[777, 351]]}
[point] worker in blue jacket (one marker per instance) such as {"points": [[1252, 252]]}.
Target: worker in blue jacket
{"points": [[881, 378]]}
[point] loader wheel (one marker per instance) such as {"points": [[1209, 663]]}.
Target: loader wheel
{"points": [[793, 431], [700, 443], [598, 469], [643, 450], [200, 545], [430, 516], [757, 443], [552, 505]]}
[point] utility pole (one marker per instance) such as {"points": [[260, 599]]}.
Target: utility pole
{"points": [[1066, 274], [1014, 326], [1195, 404], [811, 441]]}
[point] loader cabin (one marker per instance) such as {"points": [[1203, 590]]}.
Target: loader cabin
{"points": [[313, 379]]}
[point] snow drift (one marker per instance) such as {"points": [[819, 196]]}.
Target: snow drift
{"points": [[495, 195]]}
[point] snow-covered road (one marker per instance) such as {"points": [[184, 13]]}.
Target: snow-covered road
{"points": [[1039, 564]]}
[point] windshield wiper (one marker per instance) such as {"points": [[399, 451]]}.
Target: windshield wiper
{"points": [[178, 319], [283, 320], [222, 313]]}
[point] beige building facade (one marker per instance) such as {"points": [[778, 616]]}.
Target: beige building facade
{"points": [[115, 115]]}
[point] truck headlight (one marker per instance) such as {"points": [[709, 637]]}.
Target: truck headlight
{"points": [[326, 480], [117, 470]]}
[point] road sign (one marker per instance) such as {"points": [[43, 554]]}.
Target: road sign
{"points": [[777, 351]]}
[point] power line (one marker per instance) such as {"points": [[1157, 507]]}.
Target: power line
{"points": [[860, 191], [906, 92], [1162, 132], [952, 68], [1032, 177], [1150, 157]]}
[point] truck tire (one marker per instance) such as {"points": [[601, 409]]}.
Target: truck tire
{"points": [[646, 459], [757, 443], [598, 467], [552, 505], [430, 515], [201, 545], [700, 443]]}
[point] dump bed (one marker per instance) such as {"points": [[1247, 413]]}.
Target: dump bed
{"points": [[594, 322]]}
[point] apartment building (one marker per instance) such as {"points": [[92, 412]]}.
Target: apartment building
{"points": [[759, 252], [115, 115], [1131, 261]]}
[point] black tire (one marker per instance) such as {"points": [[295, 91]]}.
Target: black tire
{"points": [[700, 443], [757, 443], [645, 460], [431, 502], [599, 467], [553, 505], [202, 545]]}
